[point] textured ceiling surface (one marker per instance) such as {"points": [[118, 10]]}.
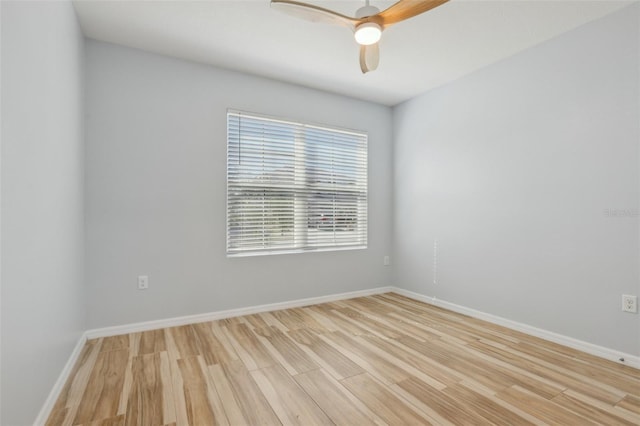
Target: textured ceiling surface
{"points": [[419, 54]]}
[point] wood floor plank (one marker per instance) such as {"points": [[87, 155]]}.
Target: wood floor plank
{"points": [[270, 319], [255, 407], [485, 407], [151, 396], [456, 411], [291, 404], [429, 331], [631, 403], [255, 321], [212, 350], [66, 407], [370, 325], [225, 322], [57, 415], [547, 370], [215, 401], [288, 319], [407, 328], [310, 322], [374, 344], [614, 410], [345, 324], [383, 402], [318, 314], [614, 379], [185, 340], [177, 383], [196, 394], [151, 341], [478, 388], [589, 411], [113, 343], [542, 408], [384, 359], [516, 375], [367, 359], [250, 350], [399, 303], [370, 305], [331, 359], [134, 349], [439, 372], [101, 397], [491, 372], [330, 396], [431, 416], [220, 333], [231, 406], [292, 356], [112, 421]]}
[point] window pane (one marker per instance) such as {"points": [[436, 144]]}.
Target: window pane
{"points": [[294, 187]]}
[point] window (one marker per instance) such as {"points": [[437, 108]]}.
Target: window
{"points": [[294, 187]]}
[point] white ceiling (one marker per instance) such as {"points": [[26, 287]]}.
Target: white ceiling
{"points": [[416, 55]]}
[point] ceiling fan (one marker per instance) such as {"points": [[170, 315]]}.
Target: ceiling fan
{"points": [[367, 25]]}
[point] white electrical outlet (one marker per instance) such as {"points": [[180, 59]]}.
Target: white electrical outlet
{"points": [[630, 303], [143, 282], [386, 261]]}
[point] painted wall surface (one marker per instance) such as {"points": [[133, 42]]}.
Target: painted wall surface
{"points": [[42, 201], [156, 190], [527, 175]]}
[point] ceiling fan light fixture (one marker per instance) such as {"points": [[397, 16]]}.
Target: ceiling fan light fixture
{"points": [[367, 24], [368, 33]]}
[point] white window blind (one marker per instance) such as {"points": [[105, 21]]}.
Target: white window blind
{"points": [[293, 186]]}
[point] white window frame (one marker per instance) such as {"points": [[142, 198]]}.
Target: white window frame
{"points": [[347, 231]]}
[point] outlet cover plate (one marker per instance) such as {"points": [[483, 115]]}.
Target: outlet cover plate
{"points": [[143, 282], [630, 303]]}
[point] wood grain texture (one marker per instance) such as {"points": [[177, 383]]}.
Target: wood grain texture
{"points": [[383, 359], [198, 404], [291, 404], [331, 396], [101, 397], [150, 399]]}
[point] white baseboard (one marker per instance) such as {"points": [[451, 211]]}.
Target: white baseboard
{"points": [[213, 316], [45, 411], [172, 322], [590, 348], [606, 353]]}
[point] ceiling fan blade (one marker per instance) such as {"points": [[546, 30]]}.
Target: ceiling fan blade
{"points": [[313, 13], [369, 57], [405, 9]]}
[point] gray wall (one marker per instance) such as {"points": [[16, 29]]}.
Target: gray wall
{"points": [[42, 201], [156, 190], [511, 169]]}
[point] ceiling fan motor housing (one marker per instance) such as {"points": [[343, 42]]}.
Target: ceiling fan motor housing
{"points": [[365, 11]]}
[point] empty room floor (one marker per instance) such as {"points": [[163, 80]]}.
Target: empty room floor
{"points": [[383, 359]]}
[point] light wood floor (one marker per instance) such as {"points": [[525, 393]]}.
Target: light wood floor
{"points": [[374, 360]]}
